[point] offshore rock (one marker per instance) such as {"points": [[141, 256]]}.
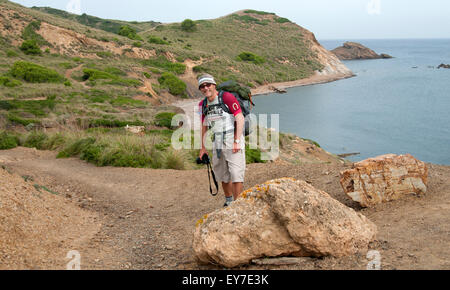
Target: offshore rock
{"points": [[282, 217], [354, 50], [384, 178]]}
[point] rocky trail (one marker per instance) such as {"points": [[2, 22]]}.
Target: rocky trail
{"points": [[146, 218]]}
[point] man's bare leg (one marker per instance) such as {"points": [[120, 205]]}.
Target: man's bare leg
{"points": [[238, 187], [228, 189]]}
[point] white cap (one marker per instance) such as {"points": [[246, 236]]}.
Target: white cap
{"points": [[206, 78]]}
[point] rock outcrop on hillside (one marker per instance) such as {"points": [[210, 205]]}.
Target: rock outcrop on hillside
{"points": [[353, 50], [384, 178], [280, 218]]}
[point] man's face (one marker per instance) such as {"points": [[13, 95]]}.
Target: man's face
{"points": [[208, 90]]}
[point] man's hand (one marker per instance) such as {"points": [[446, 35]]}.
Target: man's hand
{"points": [[203, 151], [236, 147]]}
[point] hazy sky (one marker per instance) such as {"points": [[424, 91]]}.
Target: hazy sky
{"points": [[328, 19]]}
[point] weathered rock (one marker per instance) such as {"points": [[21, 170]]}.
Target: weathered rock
{"points": [[384, 178], [135, 129], [443, 66], [353, 50], [280, 218]]}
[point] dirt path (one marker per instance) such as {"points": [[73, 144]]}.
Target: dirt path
{"points": [[148, 216]]}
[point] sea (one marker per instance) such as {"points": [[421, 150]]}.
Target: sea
{"points": [[399, 105]]}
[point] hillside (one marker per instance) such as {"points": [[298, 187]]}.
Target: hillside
{"points": [[70, 87]]}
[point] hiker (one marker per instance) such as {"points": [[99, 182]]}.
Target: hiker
{"points": [[227, 125]]}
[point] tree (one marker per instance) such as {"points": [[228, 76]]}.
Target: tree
{"points": [[188, 25]]}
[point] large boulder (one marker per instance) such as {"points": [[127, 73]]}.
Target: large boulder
{"points": [[280, 218], [384, 178]]}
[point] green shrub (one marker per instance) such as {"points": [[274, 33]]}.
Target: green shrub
{"points": [[8, 82], [258, 12], [93, 74], [114, 71], [124, 101], [164, 119], [162, 62], [251, 57], [129, 32], [29, 33], [253, 155], [34, 73], [188, 25], [137, 44], [113, 123], [11, 53], [8, 141], [176, 86], [76, 148], [30, 47], [124, 82], [67, 83], [105, 54], [18, 120], [36, 140], [35, 107], [157, 40], [281, 20], [147, 75]]}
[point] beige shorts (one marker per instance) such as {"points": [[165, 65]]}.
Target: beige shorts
{"points": [[230, 167]]}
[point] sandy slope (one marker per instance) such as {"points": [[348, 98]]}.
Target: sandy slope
{"points": [[148, 216]]}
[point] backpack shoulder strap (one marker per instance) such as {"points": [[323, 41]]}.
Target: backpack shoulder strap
{"points": [[204, 106], [222, 104]]}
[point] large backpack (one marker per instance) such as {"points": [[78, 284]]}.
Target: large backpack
{"points": [[242, 94]]}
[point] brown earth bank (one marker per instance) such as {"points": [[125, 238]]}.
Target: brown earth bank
{"points": [[146, 218]]}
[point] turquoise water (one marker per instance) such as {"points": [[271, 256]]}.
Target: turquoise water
{"points": [[389, 107]]}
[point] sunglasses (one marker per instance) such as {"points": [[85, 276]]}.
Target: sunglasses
{"points": [[204, 86]]}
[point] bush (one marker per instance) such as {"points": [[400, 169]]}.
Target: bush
{"points": [[76, 148], [8, 141], [11, 53], [29, 33], [188, 25], [157, 40], [162, 62], [176, 86], [30, 47], [253, 155], [105, 54], [34, 73], [164, 119], [93, 74], [18, 120], [8, 82], [281, 20], [67, 83], [251, 57], [36, 140], [258, 12], [129, 32], [137, 44]]}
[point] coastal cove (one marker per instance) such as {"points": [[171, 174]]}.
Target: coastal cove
{"points": [[397, 105]]}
